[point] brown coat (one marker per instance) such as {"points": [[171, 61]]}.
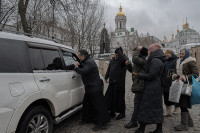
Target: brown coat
{"points": [[187, 68]]}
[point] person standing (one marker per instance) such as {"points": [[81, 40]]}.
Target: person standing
{"points": [[116, 73], [151, 108], [139, 62], [186, 67], [170, 66], [94, 106]]}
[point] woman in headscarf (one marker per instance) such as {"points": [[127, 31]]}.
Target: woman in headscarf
{"points": [[185, 67], [171, 59]]}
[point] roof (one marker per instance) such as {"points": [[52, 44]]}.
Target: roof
{"points": [[13, 36], [187, 30], [191, 44]]}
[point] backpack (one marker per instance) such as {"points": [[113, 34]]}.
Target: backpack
{"points": [[166, 77]]}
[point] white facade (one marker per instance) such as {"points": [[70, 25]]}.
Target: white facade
{"points": [[183, 37], [128, 40]]}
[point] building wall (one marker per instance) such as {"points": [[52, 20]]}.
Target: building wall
{"points": [[195, 52]]}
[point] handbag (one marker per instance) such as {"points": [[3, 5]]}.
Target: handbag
{"points": [[187, 88], [195, 97], [175, 91]]}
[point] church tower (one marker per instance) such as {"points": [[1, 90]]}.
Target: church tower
{"points": [[120, 21]]}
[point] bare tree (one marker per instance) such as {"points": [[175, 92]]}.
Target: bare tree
{"points": [[22, 9], [7, 8], [83, 20]]}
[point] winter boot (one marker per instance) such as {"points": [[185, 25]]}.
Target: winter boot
{"points": [[131, 124], [176, 111], [168, 111], [190, 121], [141, 129], [184, 122]]}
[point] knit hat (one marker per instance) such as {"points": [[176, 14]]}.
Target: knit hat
{"points": [[120, 48]]}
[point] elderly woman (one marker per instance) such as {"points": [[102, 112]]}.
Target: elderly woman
{"points": [[185, 67], [150, 109], [171, 59]]}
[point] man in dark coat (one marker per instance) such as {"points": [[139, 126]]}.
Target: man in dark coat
{"points": [[139, 62], [94, 106], [151, 108], [116, 73]]}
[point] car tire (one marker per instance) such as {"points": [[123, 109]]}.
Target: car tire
{"points": [[35, 119]]}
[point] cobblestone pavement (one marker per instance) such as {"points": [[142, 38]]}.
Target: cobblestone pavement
{"points": [[70, 125]]}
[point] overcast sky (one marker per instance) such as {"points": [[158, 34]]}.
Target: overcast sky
{"points": [[155, 16]]}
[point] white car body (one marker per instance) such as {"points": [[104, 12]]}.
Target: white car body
{"points": [[60, 91]]}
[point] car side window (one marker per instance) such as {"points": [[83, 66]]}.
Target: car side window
{"points": [[52, 59], [36, 59], [13, 56], [67, 56]]}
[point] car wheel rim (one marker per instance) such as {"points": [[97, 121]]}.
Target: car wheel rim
{"points": [[38, 124]]}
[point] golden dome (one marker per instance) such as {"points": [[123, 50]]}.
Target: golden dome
{"points": [[177, 29], [120, 13], [183, 26]]}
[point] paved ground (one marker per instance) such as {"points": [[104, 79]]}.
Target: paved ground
{"points": [[117, 126]]}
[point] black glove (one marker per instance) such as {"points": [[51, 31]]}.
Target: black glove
{"points": [[144, 51]]}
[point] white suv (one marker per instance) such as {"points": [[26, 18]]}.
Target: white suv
{"points": [[35, 89]]}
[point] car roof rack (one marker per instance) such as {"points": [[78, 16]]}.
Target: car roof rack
{"points": [[29, 35]]}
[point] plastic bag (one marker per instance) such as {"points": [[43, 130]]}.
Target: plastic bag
{"points": [[175, 91], [195, 97]]}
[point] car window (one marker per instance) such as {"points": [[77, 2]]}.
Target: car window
{"points": [[67, 56], [52, 59], [36, 59], [13, 56]]}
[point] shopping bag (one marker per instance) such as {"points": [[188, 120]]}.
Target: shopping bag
{"points": [[195, 96], [187, 88], [175, 91]]}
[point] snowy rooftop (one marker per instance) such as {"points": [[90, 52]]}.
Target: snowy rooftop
{"points": [[13, 36], [191, 44]]}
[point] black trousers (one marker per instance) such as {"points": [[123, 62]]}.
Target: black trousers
{"points": [[94, 108], [184, 109], [137, 99]]}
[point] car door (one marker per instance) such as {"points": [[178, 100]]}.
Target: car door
{"points": [[53, 82], [77, 87]]}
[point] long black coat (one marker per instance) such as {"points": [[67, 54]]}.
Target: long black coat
{"points": [[90, 75], [116, 71], [150, 108], [115, 94], [171, 67]]}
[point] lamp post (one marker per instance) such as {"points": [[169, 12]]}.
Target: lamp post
{"points": [[0, 8], [53, 4]]}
